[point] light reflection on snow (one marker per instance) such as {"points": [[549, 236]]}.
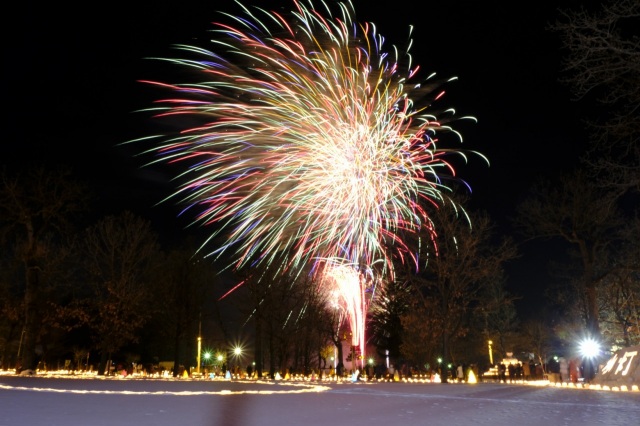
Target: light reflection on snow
{"points": [[301, 383], [303, 389], [299, 387]]}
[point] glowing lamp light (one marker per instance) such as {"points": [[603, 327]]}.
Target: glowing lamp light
{"points": [[472, 377], [589, 348]]}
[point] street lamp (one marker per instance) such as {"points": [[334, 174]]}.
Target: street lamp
{"points": [[199, 353], [236, 353], [490, 353], [199, 343], [220, 359], [590, 349]]}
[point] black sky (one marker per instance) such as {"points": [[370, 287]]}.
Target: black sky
{"points": [[70, 77]]}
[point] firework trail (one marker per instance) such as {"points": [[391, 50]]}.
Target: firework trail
{"points": [[309, 144], [352, 294]]}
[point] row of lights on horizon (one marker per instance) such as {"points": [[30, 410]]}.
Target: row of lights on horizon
{"points": [[588, 348], [207, 355]]}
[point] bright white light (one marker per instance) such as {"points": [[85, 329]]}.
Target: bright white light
{"points": [[589, 348]]}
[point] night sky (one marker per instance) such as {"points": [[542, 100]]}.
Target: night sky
{"points": [[71, 78]]}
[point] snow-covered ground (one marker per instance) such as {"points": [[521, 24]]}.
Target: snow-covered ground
{"points": [[40, 401]]}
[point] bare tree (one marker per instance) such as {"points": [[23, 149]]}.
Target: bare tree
{"points": [[183, 299], [331, 327], [620, 308], [37, 210], [119, 252], [293, 320], [603, 65], [583, 215], [537, 337], [11, 311], [421, 333], [464, 259], [619, 294], [386, 326], [310, 327], [275, 304], [499, 317], [284, 303]]}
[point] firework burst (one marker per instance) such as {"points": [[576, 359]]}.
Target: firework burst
{"points": [[312, 143]]}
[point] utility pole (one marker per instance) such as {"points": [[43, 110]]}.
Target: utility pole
{"points": [[490, 353], [199, 343]]}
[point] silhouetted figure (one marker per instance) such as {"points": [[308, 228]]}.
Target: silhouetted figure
{"points": [[564, 370], [526, 371], [502, 373], [519, 371]]}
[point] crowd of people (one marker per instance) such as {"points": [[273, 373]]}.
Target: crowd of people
{"points": [[558, 370]]}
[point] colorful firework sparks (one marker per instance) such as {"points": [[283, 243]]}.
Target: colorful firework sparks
{"points": [[310, 145], [352, 292]]}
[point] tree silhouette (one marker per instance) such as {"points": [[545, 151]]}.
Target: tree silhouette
{"points": [[183, 299], [462, 261], [38, 207], [583, 215], [119, 252], [602, 66]]}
